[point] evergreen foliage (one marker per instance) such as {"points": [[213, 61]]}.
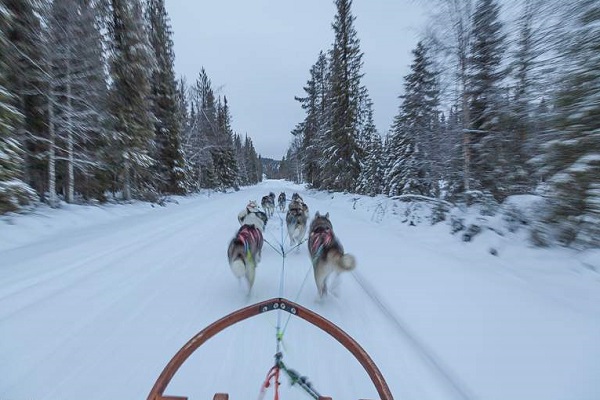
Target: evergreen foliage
{"points": [[167, 126], [572, 160], [312, 130], [415, 131], [26, 79], [341, 152], [131, 61], [13, 191], [488, 138], [78, 95]]}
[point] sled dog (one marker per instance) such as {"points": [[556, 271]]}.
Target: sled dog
{"points": [[268, 204], [281, 201], [244, 251], [297, 221], [326, 253]]}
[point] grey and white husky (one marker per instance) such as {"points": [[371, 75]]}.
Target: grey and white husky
{"points": [[268, 204], [297, 221], [326, 253], [244, 252]]}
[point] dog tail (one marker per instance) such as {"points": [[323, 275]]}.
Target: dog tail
{"points": [[238, 267], [236, 258], [348, 262]]}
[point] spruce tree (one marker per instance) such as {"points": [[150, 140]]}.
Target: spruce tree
{"points": [[240, 159], [224, 160], [489, 163], [572, 160], [453, 36], [253, 166], [341, 160], [203, 131], [370, 179], [414, 131], [26, 81], [315, 123], [533, 69], [167, 127], [13, 191], [132, 120], [78, 93]]}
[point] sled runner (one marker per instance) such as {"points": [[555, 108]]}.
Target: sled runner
{"points": [[157, 392]]}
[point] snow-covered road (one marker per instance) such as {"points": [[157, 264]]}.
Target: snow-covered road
{"points": [[96, 310]]}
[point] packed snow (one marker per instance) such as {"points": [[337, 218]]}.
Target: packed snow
{"points": [[95, 300]]}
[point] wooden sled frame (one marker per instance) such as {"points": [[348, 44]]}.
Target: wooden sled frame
{"points": [[157, 392]]}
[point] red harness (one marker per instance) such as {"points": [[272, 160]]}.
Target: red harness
{"points": [[250, 236], [318, 240]]}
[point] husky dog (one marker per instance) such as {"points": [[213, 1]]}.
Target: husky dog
{"points": [[251, 215], [268, 204], [296, 220], [326, 252], [244, 251], [296, 196], [281, 201]]}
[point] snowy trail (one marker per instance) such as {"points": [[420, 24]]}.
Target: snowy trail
{"points": [[97, 312]]}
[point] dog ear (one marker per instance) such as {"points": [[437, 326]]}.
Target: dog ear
{"points": [[317, 215], [327, 215]]}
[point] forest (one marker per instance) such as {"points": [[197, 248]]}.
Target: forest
{"points": [[494, 105], [502, 99]]}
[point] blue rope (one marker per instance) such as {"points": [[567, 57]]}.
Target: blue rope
{"points": [[279, 333]]}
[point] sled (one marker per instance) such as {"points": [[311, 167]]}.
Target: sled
{"points": [[158, 390]]}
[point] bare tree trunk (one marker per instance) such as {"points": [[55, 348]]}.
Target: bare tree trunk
{"points": [[127, 188], [52, 200], [466, 140], [70, 172]]}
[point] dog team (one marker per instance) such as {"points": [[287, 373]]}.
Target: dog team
{"points": [[325, 250]]}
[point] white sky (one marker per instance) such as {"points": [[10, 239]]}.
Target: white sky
{"points": [[259, 52]]}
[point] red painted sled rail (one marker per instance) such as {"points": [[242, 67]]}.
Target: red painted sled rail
{"points": [[157, 392]]}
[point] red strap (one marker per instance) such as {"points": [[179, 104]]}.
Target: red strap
{"points": [[273, 373]]}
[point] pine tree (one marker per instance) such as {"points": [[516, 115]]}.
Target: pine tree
{"points": [[452, 146], [453, 36], [341, 160], [370, 180], [486, 73], [185, 112], [78, 91], [167, 126], [223, 156], [572, 161], [521, 102], [202, 137], [240, 159], [253, 166], [26, 81], [131, 67], [533, 67], [414, 131], [13, 191], [316, 122]]}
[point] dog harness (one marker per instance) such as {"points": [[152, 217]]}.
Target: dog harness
{"points": [[318, 240], [249, 236]]}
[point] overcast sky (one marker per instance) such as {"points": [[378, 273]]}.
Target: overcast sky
{"points": [[259, 52]]}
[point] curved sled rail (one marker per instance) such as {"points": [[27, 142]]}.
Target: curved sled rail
{"points": [[157, 392]]}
